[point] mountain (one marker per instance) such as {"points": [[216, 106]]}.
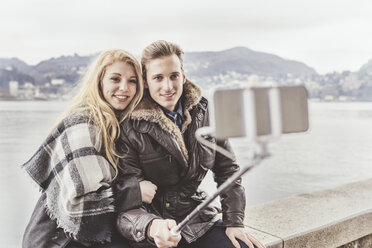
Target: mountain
{"points": [[364, 81], [63, 64], [15, 63], [239, 60], [366, 69], [14, 75], [231, 67], [64, 67], [243, 61]]}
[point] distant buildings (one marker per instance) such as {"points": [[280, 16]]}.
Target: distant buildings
{"points": [[13, 88], [56, 81], [55, 89], [346, 86]]}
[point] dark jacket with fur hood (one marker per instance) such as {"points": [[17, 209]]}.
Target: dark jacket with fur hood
{"points": [[156, 149]]}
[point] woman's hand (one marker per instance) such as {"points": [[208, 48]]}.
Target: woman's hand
{"points": [[159, 231], [148, 191], [241, 233]]}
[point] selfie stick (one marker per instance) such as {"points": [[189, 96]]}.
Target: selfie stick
{"points": [[257, 156], [177, 229]]}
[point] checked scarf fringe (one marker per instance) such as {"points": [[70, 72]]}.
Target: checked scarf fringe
{"points": [[76, 178]]}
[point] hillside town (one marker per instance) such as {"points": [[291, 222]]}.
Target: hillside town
{"points": [[56, 79]]}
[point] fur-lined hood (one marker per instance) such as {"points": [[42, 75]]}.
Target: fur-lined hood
{"points": [[150, 111]]}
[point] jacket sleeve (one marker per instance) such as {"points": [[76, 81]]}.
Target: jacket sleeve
{"points": [[127, 189], [127, 193], [232, 199], [131, 223]]}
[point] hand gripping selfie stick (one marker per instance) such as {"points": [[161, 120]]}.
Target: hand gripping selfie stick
{"points": [[260, 115]]}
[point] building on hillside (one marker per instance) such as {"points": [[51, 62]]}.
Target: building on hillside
{"points": [[13, 88], [57, 81]]}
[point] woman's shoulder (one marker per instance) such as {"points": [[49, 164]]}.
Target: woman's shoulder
{"points": [[78, 117], [75, 122]]}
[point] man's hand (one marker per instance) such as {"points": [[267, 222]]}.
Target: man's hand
{"points": [[241, 233], [148, 191], [159, 231]]}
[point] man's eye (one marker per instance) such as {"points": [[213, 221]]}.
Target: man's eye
{"points": [[158, 78], [174, 76]]}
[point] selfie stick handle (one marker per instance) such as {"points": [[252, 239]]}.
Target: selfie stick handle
{"points": [[175, 231], [220, 189]]}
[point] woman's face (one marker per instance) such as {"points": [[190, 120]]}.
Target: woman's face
{"points": [[119, 84]]}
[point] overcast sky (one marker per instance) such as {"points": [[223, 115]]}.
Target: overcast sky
{"points": [[328, 35]]}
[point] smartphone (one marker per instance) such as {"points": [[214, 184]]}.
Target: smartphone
{"points": [[259, 111]]}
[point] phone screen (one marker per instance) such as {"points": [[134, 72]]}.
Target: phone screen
{"points": [[245, 112]]}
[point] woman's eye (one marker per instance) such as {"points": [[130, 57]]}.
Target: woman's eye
{"points": [[133, 81], [115, 79]]}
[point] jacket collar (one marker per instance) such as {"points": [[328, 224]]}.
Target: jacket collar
{"points": [[148, 110]]}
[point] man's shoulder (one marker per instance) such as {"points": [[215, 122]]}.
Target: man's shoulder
{"points": [[135, 125], [204, 102], [127, 124]]}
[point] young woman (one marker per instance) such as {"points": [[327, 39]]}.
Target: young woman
{"points": [[77, 165], [161, 146]]}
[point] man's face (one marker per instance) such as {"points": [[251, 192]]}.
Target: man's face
{"points": [[165, 79]]}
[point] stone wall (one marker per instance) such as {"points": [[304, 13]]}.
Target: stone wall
{"points": [[322, 219]]}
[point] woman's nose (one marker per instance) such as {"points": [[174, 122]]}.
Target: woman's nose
{"points": [[123, 85]]}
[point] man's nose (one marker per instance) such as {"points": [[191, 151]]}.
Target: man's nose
{"points": [[168, 84]]}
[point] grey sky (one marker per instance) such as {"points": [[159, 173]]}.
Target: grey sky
{"points": [[327, 35]]}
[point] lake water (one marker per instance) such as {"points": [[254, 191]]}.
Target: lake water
{"points": [[336, 150]]}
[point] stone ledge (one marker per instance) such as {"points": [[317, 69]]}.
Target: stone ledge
{"points": [[327, 218], [366, 241]]}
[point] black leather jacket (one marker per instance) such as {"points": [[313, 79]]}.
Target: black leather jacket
{"points": [[155, 149]]}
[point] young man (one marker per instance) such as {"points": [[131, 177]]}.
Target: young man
{"points": [[159, 144]]}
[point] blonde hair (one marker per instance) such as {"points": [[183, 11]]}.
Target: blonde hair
{"points": [[90, 101], [158, 49]]}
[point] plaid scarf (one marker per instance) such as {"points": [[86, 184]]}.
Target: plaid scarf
{"points": [[76, 178]]}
